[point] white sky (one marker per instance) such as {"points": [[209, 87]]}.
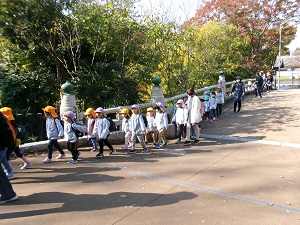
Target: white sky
{"points": [[181, 10]]}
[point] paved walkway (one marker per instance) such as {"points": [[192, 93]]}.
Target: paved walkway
{"points": [[245, 171]]}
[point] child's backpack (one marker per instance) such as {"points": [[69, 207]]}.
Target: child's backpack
{"points": [[7, 132], [112, 125], [79, 133], [145, 120]]}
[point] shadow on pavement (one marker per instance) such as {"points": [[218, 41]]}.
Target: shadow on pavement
{"points": [[51, 202]]}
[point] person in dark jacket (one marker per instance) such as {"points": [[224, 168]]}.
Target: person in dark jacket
{"points": [[259, 85], [6, 191], [238, 91]]}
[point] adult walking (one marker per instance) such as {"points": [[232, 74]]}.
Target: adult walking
{"points": [[193, 116], [259, 84], [238, 91], [6, 190]]}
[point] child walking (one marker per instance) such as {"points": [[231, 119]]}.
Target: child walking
{"points": [[212, 106], [90, 123], [207, 110], [150, 129], [54, 132], [101, 129], [180, 120], [126, 128], [220, 101], [161, 123], [7, 112], [70, 135], [138, 129]]}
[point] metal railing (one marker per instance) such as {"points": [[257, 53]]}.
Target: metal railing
{"points": [[169, 110]]}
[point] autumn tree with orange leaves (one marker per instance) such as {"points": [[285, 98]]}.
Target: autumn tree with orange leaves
{"points": [[259, 20]]}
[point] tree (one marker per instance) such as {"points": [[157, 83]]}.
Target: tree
{"points": [[256, 19]]}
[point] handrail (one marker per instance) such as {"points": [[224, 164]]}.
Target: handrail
{"points": [[248, 83]]}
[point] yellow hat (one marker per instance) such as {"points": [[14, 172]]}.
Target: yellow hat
{"points": [[124, 111], [90, 111], [7, 112], [51, 110], [150, 109]]}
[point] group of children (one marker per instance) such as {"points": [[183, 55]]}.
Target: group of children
{"points": [[135, 126], [187, 117], [97, 127], [186, 121], [213, 102]]}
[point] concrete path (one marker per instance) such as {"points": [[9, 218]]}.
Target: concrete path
{"points": [[244, 171]]}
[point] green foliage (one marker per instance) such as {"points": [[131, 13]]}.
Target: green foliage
{"points": [[108, 52]]}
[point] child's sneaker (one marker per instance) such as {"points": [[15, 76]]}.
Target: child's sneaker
{"points": [[10, 175], [72, 161], [214, 118], [99, 155], [47, 160], [125, 146], [94, 150], [26, 165], [164, 144], [112, 152], [156, 146], [145, 150], [178, 141], [132, 151], [61, 156], [187, 143], [196, 142], [8, 200]]}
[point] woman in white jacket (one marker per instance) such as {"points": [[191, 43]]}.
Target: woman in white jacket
{"points": [[193, 116]]}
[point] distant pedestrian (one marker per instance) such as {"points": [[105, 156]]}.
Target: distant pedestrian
{"points": [[238, 91], [6, 191], [220, 101], [212, 106], [138, 129], [126, 128], [101, 129], [258, 85], [70, 135], [193, 116], [269, 82], [7, 112], [151, 129], [90, 123], [55, 131], [180, 120]]}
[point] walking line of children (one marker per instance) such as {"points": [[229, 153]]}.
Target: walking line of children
{"points": [[187, 118]]}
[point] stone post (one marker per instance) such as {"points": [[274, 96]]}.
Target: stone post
{"points": [[222, 81], [68, 100], [157, 95]]}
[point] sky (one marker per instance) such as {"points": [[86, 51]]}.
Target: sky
{"points": [[181, 10]]}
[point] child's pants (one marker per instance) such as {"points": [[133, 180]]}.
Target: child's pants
{"points": [[71, 146], [141, 140], [212, 113], [128, 138], [93, 140], [188, 131], [161, 136], [180, 130], [101, 145], [219, 110], [54, 143], [154, 135]]}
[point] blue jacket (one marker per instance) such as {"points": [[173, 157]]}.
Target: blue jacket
{"points": [[238, 89]]}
